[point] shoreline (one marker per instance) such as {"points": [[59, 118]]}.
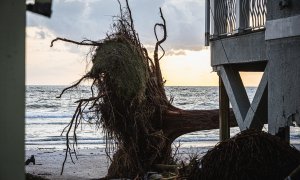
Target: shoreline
{"points": [[91, 163]]}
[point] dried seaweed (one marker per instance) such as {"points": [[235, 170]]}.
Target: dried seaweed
{"points": [[249, 155]]}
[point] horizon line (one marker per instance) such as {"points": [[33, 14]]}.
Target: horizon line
{"points": [[164, 86]]}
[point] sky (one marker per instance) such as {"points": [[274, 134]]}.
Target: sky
{"points": [[186, 63]]}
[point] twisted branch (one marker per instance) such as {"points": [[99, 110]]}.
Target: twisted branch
{"points": [[83, 43], [73, 86], [158, 44]]}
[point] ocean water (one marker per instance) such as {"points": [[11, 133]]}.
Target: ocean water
{"points": [[46, 117]]}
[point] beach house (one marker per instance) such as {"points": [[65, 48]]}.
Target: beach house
{"points": [[256, 36], [243, 35]]}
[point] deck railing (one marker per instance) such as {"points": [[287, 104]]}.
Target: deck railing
{"points": [[227, 17], [257, 13]]}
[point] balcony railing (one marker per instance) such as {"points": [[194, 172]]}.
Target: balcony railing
{"points": [[228, 17]]}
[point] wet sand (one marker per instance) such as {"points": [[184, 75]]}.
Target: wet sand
{"points": [[91, 163]]}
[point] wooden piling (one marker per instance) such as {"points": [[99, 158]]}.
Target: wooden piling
{"points": [[284, 133], [223, 112]]}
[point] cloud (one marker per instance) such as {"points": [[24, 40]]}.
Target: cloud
{"points": [[92, 19], [193, 68], [186, 23], [173, 52], [41, 34], [57, 65], [78, 19]]}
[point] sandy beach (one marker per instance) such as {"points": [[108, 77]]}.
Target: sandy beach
{"points": [[46, 116], [91, 163]]}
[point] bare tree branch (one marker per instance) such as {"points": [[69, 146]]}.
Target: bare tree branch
{"points": [[68, 150], [84, 42], [74, 85], [121, 11], [130, 18], [157, 45]]}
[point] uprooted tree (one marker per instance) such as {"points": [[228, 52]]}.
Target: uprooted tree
{"points": [[129, 103]]}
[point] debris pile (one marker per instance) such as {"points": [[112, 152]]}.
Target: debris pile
{"points": [[248, 155]]}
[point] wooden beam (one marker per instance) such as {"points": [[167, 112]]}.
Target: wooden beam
{"points": [[284, 133], [295, 174], [223, 112], [236, 93], [258, 112], [248, 115], [207, 22], [12, 91]]}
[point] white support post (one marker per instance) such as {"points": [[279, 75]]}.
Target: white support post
{"points": [[12, 90], [248, 116], [236, 93], [242, 15], [207, 22], [212, 12], [257, 113], [224, 112]]}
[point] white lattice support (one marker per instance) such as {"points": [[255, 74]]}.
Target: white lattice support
{"points": [[247, 115], [257, 113], [236, 93], [12, 91], [224, 112]]}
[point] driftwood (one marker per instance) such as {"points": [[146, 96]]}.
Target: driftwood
{"points": [[295, 174], [130, 103]]}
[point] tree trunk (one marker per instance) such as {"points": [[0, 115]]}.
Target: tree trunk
{"points": [[175, 122], [179, 122]]}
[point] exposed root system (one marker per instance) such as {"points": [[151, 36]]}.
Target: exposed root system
{"points": [[249, 155], [128, 102], [129, 98]]}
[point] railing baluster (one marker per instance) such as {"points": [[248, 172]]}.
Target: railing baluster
{"points": [[212, 9], [242, 15], [234, 16], [207, 22], [221, 16]]}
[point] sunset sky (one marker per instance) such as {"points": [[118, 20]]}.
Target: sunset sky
{"points": [[187, 61]]}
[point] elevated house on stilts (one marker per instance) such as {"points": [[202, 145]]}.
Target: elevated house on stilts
{"points": [[256, 36]]}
